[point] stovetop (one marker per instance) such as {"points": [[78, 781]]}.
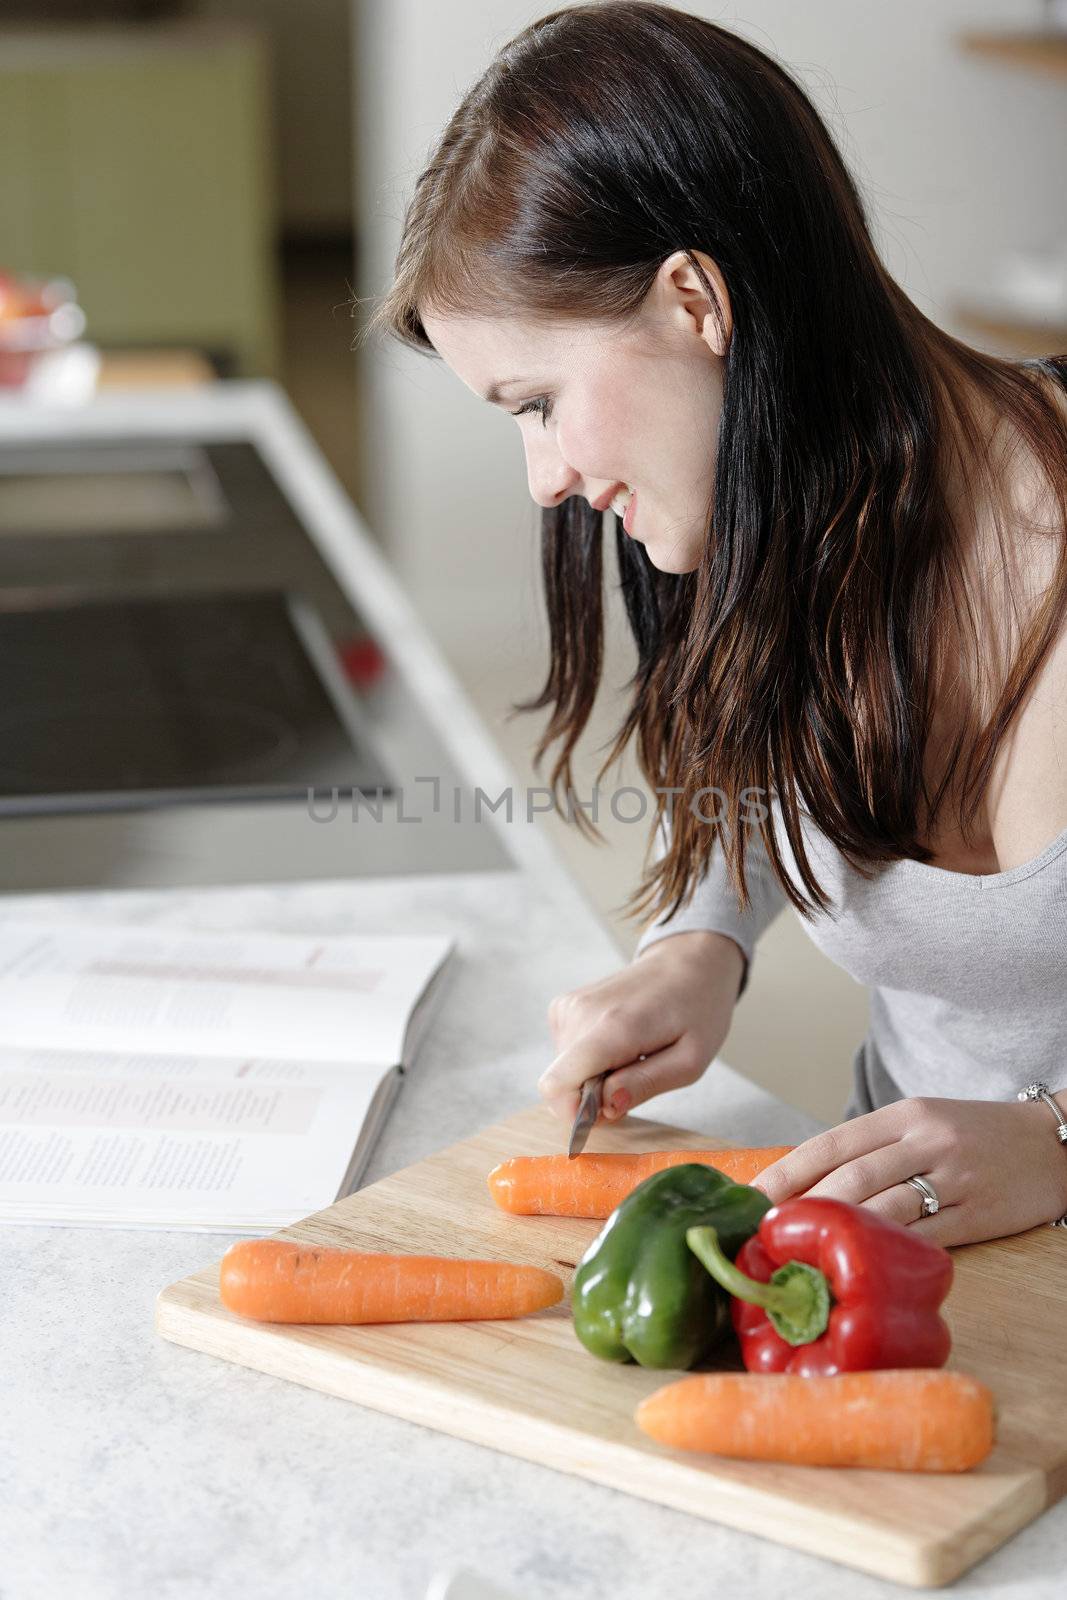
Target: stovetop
{"points": [[148, 701], [183, 674]]}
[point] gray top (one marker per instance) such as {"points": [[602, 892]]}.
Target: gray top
{"points": [[966, 973]]}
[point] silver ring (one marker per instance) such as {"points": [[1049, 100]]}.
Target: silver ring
{"points": [[931, 1204]]}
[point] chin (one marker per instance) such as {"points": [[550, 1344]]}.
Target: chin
{"points": [[678, 560]]}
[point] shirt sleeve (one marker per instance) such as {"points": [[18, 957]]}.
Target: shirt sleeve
{"points": [[714, 908]]}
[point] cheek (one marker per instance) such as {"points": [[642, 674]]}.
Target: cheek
{"points": [[600, 433]]}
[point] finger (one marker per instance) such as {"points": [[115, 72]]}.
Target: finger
{"points": [[901, 1204], [609, 1043], [616, 1097], [565, 1105], [857, 1181], [948, 1227], [813, 1160], [648, 1076]]}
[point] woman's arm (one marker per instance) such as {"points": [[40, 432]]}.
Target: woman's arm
{"points": [[657, 1024], [714, 907]]}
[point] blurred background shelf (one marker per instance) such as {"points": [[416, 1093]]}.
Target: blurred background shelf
{"points": [[1016, 333], [154, 369], [1041, 51]]}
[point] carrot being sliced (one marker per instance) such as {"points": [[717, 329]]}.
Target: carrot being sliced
{"points": [[278, 1280], [917, 1419], [593, 1185]]}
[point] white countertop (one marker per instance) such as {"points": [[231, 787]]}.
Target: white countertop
{"points": [[134, 1469], [138, 1468]]}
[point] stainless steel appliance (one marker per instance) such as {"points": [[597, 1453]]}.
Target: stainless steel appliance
{"points": [[186, 688]]}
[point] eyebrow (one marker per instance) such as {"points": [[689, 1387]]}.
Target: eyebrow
{"points": [[493, 393]]}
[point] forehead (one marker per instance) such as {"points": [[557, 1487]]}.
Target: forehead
{"points": [[484, 351]]}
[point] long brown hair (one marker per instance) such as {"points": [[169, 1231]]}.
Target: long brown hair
{"points": [[799, 661]]}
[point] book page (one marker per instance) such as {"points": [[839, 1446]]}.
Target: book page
{"points": [[256, 1141], [129, 989]]}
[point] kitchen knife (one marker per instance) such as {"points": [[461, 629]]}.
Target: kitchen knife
{"points": [[588, 1111]]}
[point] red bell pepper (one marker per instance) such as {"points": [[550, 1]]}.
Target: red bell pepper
{"points": [[825, 1287]]}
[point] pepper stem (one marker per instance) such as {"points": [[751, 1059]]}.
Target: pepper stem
{"points": [[796, 1298]]}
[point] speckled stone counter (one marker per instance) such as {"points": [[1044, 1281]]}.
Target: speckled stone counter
{"points": [[132, 1468]]}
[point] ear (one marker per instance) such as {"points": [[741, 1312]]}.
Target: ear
{"points": [[686, 297]]}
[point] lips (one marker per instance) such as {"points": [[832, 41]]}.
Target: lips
{"points": [[628, 519], [621, 499], [607, 497]]}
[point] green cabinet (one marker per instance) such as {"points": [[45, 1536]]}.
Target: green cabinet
{"points": [[138, 162]]}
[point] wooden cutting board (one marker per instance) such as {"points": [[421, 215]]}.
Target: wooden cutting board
{"points": [[527, 1387]]}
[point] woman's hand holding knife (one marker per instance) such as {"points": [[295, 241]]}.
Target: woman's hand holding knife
{"points": [[652, 1026]]}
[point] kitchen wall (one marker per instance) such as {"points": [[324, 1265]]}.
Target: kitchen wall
{"points": [[311, 64], [958, 159]]}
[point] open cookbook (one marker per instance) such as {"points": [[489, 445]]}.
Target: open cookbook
{"points": [[162, 1078]]}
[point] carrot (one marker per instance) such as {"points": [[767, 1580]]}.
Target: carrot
{"points": [[278, 1280], [593, 1185], [915, 1419]]}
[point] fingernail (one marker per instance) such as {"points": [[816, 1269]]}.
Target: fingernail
{"points": [[621, 1101]]}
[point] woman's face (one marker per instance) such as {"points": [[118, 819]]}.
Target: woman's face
{"points": [[602, 411]]}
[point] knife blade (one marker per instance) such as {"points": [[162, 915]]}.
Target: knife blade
{"points": [[588, 1111]]}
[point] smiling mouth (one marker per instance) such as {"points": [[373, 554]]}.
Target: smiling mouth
{"points": [[631, 513], [620, 501]]}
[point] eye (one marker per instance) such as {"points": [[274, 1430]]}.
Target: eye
{"points": [[542, 407]]}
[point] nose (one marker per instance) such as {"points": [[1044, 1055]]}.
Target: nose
{"points": [[550, 477]]}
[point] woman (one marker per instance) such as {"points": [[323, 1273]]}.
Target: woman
{"points": [[840, 537]]}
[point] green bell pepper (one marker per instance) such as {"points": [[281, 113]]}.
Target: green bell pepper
{"points": [[639, 1293]]}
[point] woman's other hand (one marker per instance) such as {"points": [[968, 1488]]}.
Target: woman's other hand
{"points": [[653, 1026], [996, 1168]]}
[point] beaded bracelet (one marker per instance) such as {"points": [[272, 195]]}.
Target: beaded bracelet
{"points": [[1041, 1091]]}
